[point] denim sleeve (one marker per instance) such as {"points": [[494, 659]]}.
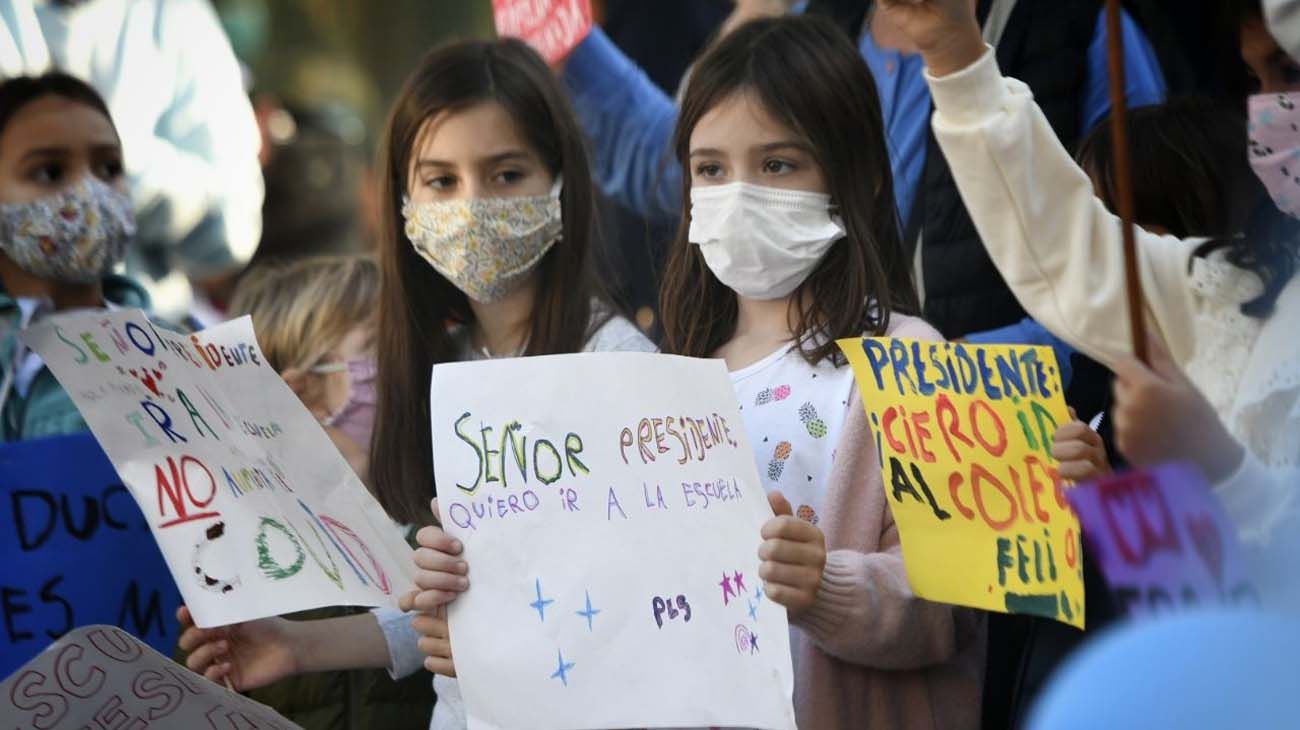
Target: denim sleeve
{"points": [[404, 655], [630, 123], [1029, 332], [1144, 82]]}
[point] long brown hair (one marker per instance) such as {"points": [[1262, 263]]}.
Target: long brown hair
{"points": [[809, 77], [417, 303]]}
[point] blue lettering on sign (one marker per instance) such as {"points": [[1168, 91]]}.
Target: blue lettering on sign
{"points": [[79, 551]]}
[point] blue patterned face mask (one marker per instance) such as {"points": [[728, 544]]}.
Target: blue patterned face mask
{"points": [[77, 235]]}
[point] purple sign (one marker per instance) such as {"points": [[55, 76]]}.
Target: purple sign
{"points": [[1162, 541]]}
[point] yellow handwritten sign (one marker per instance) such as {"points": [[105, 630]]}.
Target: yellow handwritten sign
{"points": [[964, 434]]}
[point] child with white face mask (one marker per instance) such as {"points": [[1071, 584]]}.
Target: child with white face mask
{"points": [[792, 242], [487, 218]]}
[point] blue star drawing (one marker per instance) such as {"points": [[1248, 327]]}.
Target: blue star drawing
{"points": [[758, 593], [753, 642], [753, 610], [562, 671], [541, 603], [590, 612]]}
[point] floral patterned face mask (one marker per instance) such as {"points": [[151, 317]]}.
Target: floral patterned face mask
{"points": [[77, 235], [485, 246], [74, 235]]}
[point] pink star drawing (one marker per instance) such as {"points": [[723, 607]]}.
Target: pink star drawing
{"points": [[739, 580], [727, 591]]}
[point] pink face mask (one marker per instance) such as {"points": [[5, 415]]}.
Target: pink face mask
{"points": [[356, 418], [1275, 147]]}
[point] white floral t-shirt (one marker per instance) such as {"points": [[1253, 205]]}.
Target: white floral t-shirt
{"points": [[793, 414]]}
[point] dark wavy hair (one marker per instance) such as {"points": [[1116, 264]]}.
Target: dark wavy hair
{"points": [[1192, 177], [810, 77], [416, 302]]}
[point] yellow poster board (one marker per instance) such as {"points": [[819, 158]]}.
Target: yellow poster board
{"points": [[964, 435]]}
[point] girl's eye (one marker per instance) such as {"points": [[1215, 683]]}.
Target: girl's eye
{"points": [[440, 183], [708, 169], [777, 167], [48, 173], [509, 177], [110, 170]]}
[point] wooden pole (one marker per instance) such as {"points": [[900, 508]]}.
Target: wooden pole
{"points": [[1124, 177]]}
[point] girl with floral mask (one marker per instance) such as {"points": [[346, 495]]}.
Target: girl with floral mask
{"points": [[790, 242], [487, 219], [65, 222]]}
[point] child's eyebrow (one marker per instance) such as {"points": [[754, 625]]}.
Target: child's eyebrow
{"points": [[785, 145], [489, 160], [44, 152]]}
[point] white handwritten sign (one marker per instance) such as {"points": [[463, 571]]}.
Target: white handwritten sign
{"points": [[610, 511], [254, 509], [102, 677]]}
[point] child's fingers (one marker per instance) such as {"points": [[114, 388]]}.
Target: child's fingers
{"points": [[431, 580], [794, 576], [780, 505], [218, 672], [791, 552], [786, 527], [206, 655], [429, 601], [435, 647], [784, 595], [406, 602], [435, 538], [1078, 471], [445, 667], [183, 616], [427, 625], [194, 637], [1064, 451], [436, 560]]}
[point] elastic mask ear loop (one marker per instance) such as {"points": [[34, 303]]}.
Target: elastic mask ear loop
{"points": [[557, 186]]}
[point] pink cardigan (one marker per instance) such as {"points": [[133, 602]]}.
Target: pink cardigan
{"points": [[878, 656]]}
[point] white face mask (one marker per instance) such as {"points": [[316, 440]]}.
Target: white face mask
{"points": [[762, 242]]}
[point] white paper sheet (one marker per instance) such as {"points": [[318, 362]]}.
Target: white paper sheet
{"points": [[613, 557], [255, 510]]}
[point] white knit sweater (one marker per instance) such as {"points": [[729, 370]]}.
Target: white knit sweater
{"points": [[1060, 251]]}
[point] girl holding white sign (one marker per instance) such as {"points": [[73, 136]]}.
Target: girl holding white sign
{"points": [[487, 218], [791, 242]]}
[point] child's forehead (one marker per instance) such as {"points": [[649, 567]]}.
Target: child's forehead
{"points": [[56, 124], [481, 132], [741, 122]]}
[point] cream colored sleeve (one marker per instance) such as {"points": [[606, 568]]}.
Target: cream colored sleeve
{"points": [[1054, 242]]}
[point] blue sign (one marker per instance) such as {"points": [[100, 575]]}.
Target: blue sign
{"points": [[75, 550]]}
